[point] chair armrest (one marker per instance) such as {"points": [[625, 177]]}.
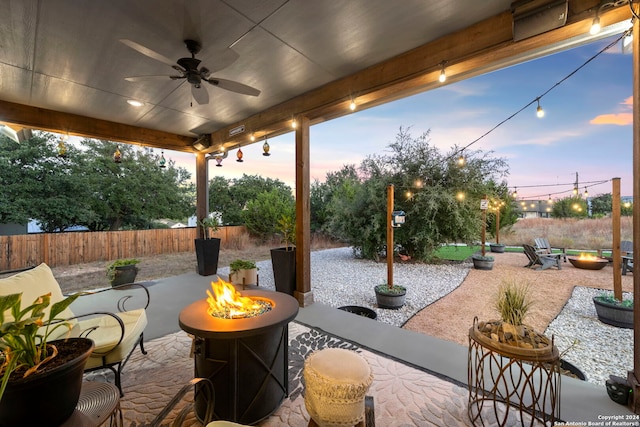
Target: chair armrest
{"points": [[86, 333], [121, 304], [206, 386]]}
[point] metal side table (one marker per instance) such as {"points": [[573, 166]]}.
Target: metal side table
{"points": [[99, 402]]}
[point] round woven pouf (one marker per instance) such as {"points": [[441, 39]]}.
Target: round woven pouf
{"points": [[336, 381]]}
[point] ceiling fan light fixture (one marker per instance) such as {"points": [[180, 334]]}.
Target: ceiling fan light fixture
{"points": [[135, 103]]}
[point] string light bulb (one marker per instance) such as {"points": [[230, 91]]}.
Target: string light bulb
{"points": [[252, 137], [352, 105], [575, 190], [549, 201], [586, 192], [595, 26], [515, 193], [443, 75], [409, 194], [460, 196], [461, 160], [539, 110], [294, 123]]}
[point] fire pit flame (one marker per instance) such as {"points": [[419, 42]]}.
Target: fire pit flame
{"points": [[588, 257], [227, 303]]}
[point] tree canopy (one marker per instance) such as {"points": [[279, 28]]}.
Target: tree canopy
{"points": [[86, 187], [428, 187]]}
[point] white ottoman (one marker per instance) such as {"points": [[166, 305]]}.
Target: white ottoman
{"points": [[336, 381]]}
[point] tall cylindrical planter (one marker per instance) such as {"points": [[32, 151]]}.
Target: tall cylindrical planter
{"points": [[48, 398], [284, 269], [207, 252]]}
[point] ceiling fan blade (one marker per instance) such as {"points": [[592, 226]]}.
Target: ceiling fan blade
{"points": [[222, 59], [143, 78], [233, 86], [200, 94], [148, 52]]}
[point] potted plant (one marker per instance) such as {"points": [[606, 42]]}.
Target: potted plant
{"points": [[283, 259], [243, 272], [390, 296], [482, 262], [613, 311], [122, 271], [208, 248], [41, 379]]}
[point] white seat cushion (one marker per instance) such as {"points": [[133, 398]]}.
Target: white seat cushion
{"points": [[107, 334], [34, 283]]}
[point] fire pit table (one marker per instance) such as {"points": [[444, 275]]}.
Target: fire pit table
{"points": [[588, 262], [245, 358]]}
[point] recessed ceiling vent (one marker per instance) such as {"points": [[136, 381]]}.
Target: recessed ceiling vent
{"points": [[533, 17]]}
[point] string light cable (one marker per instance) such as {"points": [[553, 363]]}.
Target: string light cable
{"points": [[539, 97]]}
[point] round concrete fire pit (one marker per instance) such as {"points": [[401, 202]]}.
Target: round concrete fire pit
{"points": [[588, 263]]}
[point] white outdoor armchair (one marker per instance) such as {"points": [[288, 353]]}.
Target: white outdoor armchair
{"points": [[115, 334]]}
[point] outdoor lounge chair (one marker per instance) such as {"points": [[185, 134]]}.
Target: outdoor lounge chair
{"points": [[544, 247], [544, 261], [115, 335]]}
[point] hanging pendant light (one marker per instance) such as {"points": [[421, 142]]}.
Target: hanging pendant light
{"points": [[515, 193], [265, 148], [117, 155], [62, 148], [163, 162], [218, 161], [239, 155]]}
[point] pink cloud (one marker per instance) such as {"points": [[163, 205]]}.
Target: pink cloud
{"points": [[620, 119]]}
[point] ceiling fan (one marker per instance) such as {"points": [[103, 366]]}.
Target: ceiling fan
{"points": [[188, 69]]}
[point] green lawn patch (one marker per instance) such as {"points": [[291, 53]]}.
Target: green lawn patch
{"points": [[456, 253]]}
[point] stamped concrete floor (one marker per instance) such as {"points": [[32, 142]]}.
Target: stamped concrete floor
{"points": [[404, 395]]}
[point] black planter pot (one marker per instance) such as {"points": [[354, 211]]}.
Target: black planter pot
{"points": [[497, 248], [573, 369], [482, 264], [613, 314], [390, 300], [207, 252], [124, 274], [284, 269], [46, 399], [360, 311]]}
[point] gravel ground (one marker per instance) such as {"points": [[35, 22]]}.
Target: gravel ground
{"points": [[338, 279], [578, 330]]}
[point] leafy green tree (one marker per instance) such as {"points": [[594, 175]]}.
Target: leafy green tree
{"points": [[133, 193], [601, 204], [262, 214], [570, 207], [427, 185], [37, 184], [322, 194], [230, 197]]}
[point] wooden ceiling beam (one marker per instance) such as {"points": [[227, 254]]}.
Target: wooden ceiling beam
{"points": [[480, 48], [73, 124]]}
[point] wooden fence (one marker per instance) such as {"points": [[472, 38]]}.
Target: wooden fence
{"points": [[58, 249]]}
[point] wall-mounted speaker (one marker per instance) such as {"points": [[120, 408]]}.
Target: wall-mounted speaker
{"points": [[533, 17]]}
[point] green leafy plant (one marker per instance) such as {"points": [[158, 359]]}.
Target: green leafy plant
{"points": [[390, 290], [209, 226], [287, 228], [240, 264], [111, 269], [610, 299], [513, 301], [24, 334]]}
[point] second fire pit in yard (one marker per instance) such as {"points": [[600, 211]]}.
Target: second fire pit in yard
{"points": [[588, 262]]}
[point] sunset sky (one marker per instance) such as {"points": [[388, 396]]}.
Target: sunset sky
{"points": [[587, 127]]}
